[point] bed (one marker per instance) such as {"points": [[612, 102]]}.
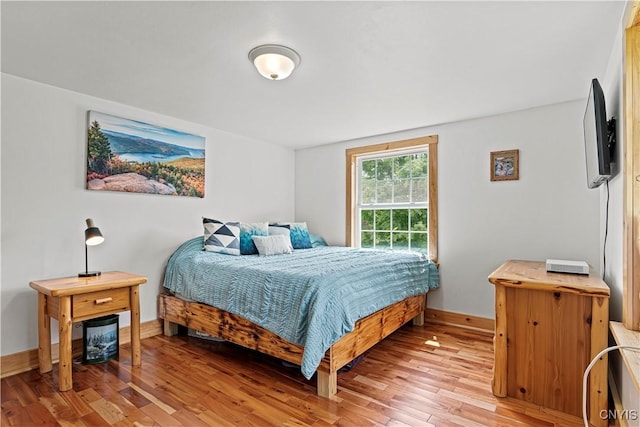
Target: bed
{"points": [[318, 308]]}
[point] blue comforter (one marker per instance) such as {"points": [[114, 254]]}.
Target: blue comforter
{"points": [[311, 297]]}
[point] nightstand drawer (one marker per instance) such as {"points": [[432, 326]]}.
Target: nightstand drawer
{"points": [[100, 302]]}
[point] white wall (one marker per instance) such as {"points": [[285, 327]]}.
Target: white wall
{"points": [[45, 203], [548, 213], [611, 83]]}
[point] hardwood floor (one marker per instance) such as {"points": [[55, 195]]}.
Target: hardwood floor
{"points": [[428, 375]]}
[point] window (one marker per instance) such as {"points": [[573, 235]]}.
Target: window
{"points": [[392, 199], [392, 196]]}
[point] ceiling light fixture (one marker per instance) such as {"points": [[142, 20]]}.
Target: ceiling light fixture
{"points": [[273, 61]]}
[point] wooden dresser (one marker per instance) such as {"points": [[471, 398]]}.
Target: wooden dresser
{"points": [[548, 328]]}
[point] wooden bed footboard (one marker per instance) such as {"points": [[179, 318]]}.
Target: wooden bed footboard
{"points": [[366, 333]]}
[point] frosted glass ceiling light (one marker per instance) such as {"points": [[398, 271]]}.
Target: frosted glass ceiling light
{"points": [[273, 61]]}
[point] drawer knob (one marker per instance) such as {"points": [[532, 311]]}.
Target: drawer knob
{"points": [[104, 300]]}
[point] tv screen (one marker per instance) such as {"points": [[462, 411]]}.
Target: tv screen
{"points": [[596, 144]]}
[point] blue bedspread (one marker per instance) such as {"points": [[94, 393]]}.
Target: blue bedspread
{"points": [[310, 298]]}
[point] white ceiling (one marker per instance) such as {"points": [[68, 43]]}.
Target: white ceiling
{"points": [[367, 68]]}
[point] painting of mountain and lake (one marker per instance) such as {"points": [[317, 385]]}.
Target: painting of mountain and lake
{"points": [[137, 157]]}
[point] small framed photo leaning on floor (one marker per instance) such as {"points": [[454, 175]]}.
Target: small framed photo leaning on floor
{"points": [[100, 339]]}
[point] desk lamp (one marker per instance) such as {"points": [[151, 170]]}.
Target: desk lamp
{"points": [[92, 237]]}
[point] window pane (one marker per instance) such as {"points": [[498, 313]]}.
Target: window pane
{"points": [[419, 220], [368, 169], [401, 191], [400, 241], [383, 240], [383, 219], [400, 219], [366, 219], [384, 169], [419, 190], [419, 242], [385, 191], [419, 166], [366, 239], [368, 191], [402, 167]]}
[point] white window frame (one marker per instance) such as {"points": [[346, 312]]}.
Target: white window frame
{"points": [[382, 206]]}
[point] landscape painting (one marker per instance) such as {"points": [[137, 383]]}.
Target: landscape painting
{"points": [[137, 157]]}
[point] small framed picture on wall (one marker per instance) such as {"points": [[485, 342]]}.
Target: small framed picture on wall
{"points": [[505, 165]]}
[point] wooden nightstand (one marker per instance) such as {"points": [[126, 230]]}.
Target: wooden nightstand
{"points": [[74, 299], [548, 328]]}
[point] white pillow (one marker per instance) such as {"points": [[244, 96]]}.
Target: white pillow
{"points": [[272, 245]]}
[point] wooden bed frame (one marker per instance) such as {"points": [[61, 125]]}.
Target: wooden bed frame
{"points": [[366, 333]]}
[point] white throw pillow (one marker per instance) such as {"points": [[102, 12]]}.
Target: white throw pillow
{"points": [[272, 245]]}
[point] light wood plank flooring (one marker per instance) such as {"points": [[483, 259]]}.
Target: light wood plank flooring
{"points": [[428, 375]]}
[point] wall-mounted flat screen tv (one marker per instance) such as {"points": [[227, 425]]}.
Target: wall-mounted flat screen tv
{"points": [[596, 138]]}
